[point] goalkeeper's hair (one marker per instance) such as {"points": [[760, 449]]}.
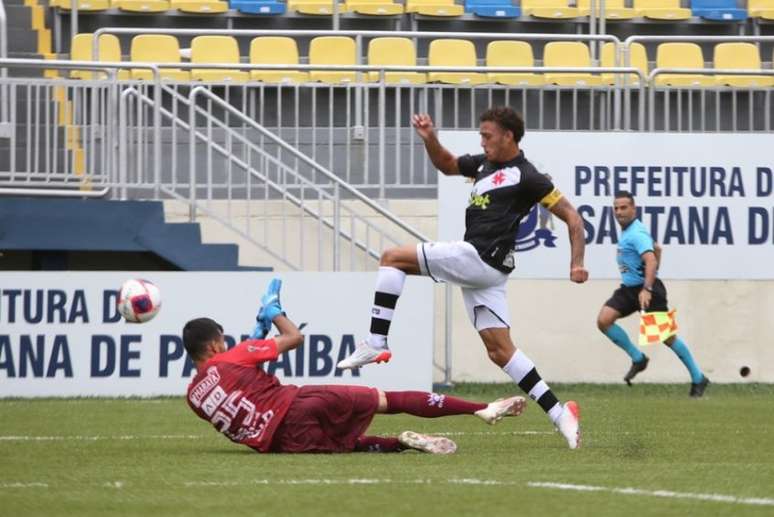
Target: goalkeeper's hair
{"points": [[197, 333]]}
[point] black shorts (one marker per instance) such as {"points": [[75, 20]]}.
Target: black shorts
{"points": [[626, 299]]}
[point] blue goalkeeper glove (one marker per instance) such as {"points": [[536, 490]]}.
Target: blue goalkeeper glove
{"points": [[270, 309]]}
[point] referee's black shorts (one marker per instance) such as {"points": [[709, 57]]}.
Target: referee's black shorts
{"points": [[626, 299]]}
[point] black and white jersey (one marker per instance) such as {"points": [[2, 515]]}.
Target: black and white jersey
{"points": [[502, 195]]}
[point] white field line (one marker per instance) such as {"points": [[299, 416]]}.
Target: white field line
{"points": [[27, 438], [716, 498]]}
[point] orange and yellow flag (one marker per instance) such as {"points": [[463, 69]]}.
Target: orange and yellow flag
{"points": [[657, 327]]}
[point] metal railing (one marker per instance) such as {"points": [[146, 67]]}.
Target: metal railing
{"points": [[4, 129], [705, 108]]}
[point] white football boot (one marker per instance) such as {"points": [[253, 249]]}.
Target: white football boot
{"points": [[365, 354], [568, 424], [427, 443], [495, 411]]}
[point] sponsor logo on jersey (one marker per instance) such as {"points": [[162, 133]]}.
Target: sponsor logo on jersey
{"points": [[204, 386]]}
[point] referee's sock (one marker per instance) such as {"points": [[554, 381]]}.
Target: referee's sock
{"points": [[681, 349], [523, 372], [389, 285], [619, 336]]}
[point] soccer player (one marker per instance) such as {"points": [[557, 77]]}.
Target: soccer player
{"points": [[638, 259], [506, 187], [251, 407]]}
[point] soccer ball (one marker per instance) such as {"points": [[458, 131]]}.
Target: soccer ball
{"points": [[139, 300]]}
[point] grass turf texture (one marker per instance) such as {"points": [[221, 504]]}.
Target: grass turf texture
{"points": [[649, 437]]}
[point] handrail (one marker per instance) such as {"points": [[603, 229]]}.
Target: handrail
{"points": [[201, 90], [12, 191], [691, 71], [3, 55], [704, 39]]}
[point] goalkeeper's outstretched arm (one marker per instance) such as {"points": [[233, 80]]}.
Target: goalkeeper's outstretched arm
{"points": [[289, 337]]}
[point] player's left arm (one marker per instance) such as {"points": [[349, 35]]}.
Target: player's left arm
{"points": [[563, 209], [657, 251], [650, 261]]}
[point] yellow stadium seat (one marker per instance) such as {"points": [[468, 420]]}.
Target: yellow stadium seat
{"points": [[318, 7], [614, 9], [743, 56], [394, 52], [157, 48], [761, 9], [512, 53], [275, 50], [557, 9], [374, 7], [142, 6], [109, 51], [569, 53], [215, 49], [199, 6], [662, 9], [638, 58], [454, 52], [332, 50], [83, 5], [434, 7], [681, 55]]}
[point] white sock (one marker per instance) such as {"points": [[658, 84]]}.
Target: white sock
{"points": [[389, 286], [523, 372]]}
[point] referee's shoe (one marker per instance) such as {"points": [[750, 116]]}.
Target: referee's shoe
{"points": [[637, 367]]}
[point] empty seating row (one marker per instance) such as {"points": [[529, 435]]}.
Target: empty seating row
{"points": [[397, 51], [718, 10]]}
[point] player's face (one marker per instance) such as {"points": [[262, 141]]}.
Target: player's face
{"points": [[495, 141], [624, 210]]}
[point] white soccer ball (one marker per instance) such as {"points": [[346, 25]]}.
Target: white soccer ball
{"points": [[139, 300]]}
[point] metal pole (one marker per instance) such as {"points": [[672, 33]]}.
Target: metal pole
{"points": [[335, 15], [3, 55], [73, 20], [447, 374]]}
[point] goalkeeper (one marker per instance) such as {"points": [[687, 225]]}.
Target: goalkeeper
{"points": [[231, 391], [638, 260]]}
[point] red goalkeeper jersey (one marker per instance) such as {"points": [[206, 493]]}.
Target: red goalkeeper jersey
{"points": [[241, 400]]}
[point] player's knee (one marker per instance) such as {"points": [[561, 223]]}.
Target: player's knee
{"points": [[603, 325]]}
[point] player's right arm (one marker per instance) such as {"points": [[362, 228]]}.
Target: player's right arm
{"points": [[290, 336], [441, 157]]}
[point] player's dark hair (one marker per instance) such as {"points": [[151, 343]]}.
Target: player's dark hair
{"points": [[197, 333], [625, 194], [507, 119]]}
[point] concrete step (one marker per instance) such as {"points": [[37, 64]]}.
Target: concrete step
{"points": [[22, 39], [19, 16]]}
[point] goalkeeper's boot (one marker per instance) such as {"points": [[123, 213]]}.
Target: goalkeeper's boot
{"points": [[568, 424], [495, 411], [365, 354], [697, 389], [637, 367], [427, 443]]}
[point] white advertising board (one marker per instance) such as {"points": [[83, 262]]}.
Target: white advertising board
{"points": [[60, 334], [707, 198]]}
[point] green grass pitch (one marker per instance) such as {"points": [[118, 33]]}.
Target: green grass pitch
{"points": [[647, 450]]}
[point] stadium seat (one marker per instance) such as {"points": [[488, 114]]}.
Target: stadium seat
{"points": [[374, 7], [662, 9], [512, 53], [763, 9], [332, 50], [614, 9], [557, 9], [638, 58], [453, 52], [109, 51], [681, 55], [434, 7], [396, 52], [157, 48], [199, 6], [744, 56], [216, 49], [314, 7], [718, 10], [259, 6], [569, 53], [83, 5], [142, 6], [492, 8], [275, 50]]}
